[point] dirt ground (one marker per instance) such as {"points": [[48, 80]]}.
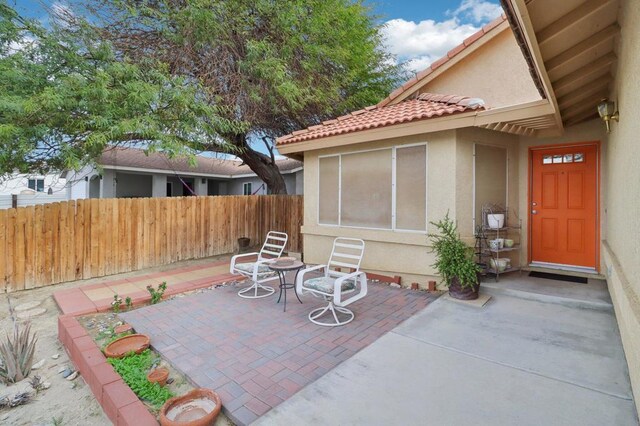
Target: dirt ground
{"points": [[65, 402]]}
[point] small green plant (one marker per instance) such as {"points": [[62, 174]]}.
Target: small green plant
{"points": [[56, 421], [116, 304], [454, 259], [16, 355], [133, 369], [129, 303], [156, 295]]}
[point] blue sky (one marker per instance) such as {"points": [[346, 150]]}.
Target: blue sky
{"points": [[417, 32]]}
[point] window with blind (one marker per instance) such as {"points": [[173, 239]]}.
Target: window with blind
{"points": [[378, 189]]}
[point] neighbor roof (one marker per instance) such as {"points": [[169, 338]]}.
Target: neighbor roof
{"points": [[426, 105], [137, 158]]}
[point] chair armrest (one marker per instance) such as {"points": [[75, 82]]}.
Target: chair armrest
{"points": [[302, 273], [232, 266], [337, 289]]}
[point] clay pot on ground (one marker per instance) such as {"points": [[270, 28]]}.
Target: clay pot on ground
{"points": [[122, 328], [159, 376], [200, 407], [122, 346], [463, 293]]}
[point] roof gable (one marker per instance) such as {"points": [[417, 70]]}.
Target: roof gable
{"points": [[468, 46]]}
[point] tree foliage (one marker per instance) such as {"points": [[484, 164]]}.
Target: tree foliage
{"points": [[207, 75], [65, 97]]}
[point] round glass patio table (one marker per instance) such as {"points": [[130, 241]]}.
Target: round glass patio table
{"points": [[282, 270]]}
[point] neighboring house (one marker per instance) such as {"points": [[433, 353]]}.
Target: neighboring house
{"points": [[30, 184], [129, 172], [21, 190], [535, 143]]}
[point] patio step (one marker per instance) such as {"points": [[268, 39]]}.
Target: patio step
{"points": [[545, 297]]}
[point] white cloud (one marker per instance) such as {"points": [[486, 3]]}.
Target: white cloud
{"points": [[422, 43], [419, 44], [478, 11]]}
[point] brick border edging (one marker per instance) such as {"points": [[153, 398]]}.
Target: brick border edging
{"points": [[118, 401], [120, 404]]}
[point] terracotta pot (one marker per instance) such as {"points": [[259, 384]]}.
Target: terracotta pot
{"points": [[123, 328], [195, 408], [463, 293], [122, 346], [159, 376]]}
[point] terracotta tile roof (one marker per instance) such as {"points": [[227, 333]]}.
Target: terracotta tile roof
{"points": [[426, 105], [136, 158], [450, 55]]}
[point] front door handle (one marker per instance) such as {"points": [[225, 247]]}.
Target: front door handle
{"points": [[534, 211]]}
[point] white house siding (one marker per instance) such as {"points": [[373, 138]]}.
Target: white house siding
{"points": [[18, 183]]}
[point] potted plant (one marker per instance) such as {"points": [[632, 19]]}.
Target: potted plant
{"points": [[454, 261]]}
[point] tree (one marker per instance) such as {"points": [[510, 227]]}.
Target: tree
{"points": [[182, 76], [65, 97], [275, 66]]}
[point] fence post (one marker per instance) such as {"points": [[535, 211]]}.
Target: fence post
{"points": [[14, 201]]}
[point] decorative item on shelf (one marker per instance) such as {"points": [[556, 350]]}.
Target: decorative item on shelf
{"points": [[608, 112], [494, 244], [508, 243], [500, 242], [158, 375], [495, 221], [122, 346], [200, 407]]}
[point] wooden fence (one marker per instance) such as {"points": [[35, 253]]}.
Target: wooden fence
{"points": [[58, 242]]}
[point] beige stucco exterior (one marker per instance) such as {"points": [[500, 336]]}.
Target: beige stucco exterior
{"points": [[496, 72], [450, 173], [621, 174]]}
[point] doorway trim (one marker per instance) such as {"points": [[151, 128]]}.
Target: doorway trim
{"points": [[530, 190]]}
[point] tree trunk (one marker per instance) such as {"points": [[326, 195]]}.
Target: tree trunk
{"points": [[265, 169]]}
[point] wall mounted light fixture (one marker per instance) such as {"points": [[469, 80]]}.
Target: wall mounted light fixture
{"points": [[607, 111]]}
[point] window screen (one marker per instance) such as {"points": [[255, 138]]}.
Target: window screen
{"points": [[366, 189], [411, 188], [328, 191], [490, 178]]}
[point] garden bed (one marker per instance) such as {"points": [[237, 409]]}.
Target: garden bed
{"points": [[104, 328]]}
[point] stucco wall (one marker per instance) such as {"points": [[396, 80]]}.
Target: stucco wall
{"points": [[621, 247], [496, 72], [410, 258], [235, 186]]}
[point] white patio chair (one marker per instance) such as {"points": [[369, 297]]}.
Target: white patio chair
{"points": [[258, 272], [334, 284]]}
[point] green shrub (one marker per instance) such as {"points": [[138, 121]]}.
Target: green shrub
{"points": [[454, 259], [133, 369]]}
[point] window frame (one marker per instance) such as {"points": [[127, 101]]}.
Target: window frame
{"points": [[393, 227], [35, 184], [246, 185]]}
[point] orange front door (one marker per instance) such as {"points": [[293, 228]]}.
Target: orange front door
{"points": [[564, 206]]}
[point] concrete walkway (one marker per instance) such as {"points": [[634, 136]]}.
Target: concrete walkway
{"points": [[555, 360]]}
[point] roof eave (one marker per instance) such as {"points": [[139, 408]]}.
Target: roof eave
{"points": [[520, 21], [416, 127]]}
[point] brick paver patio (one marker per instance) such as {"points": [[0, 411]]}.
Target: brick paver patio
{"points": [[254, 354]]}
